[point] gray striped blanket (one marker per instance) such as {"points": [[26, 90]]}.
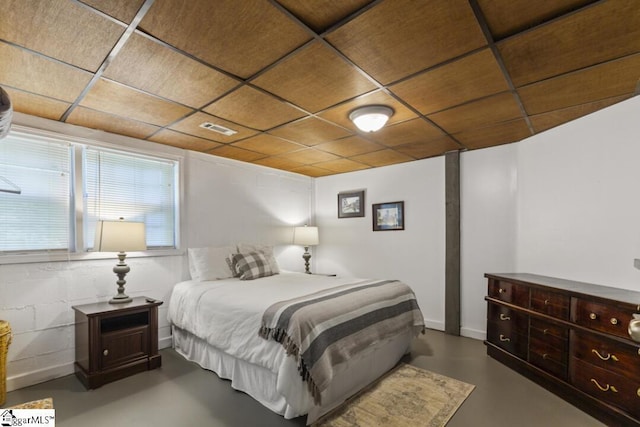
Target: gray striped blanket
{"points": [[326, 328]]}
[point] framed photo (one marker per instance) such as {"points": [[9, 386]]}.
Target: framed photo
{"points": [[388, 216], [351, 204]]}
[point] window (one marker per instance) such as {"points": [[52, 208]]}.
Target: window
{"points": [[46, 195], [136, 188], [35, 201]]}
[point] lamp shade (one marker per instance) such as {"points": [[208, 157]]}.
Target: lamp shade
{"points": [[6, 113], [305, 236], [120, 236], [371, 118]]}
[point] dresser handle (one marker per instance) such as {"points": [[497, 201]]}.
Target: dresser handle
{"points": [[501, 291], [546, 331], [105, 352], [614, 321], [504, 339], [607, 357], [607, 388], [545, 356], [638, 392], [546, 302], [503, 317], [634, 328], [593, 316]]}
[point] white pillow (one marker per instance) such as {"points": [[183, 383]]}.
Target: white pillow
{"points": [[267, 250], [209, 263]]}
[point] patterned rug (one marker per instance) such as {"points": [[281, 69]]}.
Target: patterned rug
{"points": [[36, 404], [406, 396]]}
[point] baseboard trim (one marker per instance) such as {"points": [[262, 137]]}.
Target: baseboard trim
{"points": [[39, 376], [464, 332], [46, 374], [473, 333], [433, 324], [166, 342]]}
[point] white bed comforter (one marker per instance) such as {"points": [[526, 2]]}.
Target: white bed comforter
{"points": [[228, 313]]}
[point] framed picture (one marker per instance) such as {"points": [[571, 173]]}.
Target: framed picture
{"points": [[388, 216], [351, 204]]}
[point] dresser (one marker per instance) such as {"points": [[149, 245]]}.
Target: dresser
{"points": [[578, 340]]}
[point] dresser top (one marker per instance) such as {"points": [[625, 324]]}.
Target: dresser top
{"points": [[606, 292]]}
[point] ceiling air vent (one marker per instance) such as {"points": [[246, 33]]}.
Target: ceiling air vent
{"points": [[217, 128]]}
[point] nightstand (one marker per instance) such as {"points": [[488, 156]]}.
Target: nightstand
{"points": [[114, 341]]}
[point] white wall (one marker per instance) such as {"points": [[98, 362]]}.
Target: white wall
{"points": [[232, 202], [225, 202], [348, 246], [415, 255], [578, 199], [488, 210]]}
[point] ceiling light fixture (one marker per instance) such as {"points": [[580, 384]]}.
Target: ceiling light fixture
{"points": [[371, 117]]}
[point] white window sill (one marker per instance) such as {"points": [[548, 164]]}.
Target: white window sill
{"points": [[82, 256]]}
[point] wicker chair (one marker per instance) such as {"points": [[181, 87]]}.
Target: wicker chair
{"points": [[5, 340]]}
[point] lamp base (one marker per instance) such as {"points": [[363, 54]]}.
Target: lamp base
{"points": [[120, 299], [121, 269], [306, 256]]}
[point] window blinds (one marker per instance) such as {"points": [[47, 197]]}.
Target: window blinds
{"points": [[134, 187], [38, 218]]}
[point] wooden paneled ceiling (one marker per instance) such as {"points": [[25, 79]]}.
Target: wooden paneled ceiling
{"points": [[284, 74]]}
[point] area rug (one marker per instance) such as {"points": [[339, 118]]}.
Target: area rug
{"points": [[406, 396], [36, 404]]}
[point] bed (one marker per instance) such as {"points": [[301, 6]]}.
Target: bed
{"points": [[233, 327]]}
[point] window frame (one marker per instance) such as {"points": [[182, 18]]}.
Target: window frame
{"points": [[76, 250]]}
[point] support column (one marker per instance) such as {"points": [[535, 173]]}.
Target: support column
{"points": [[452, 251]]}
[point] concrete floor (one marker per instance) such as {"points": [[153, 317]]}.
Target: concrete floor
{"points": [[181, 393]]}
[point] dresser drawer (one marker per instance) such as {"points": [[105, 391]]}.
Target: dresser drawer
{"points": [[607, 318], [548, 347], [505, 336], [548, 329], [509, 292], [614, 356], [501, 314], [551, 303], [614, 389]]}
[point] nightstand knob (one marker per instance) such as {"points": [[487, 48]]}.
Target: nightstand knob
{"points": [[614, 321], [105, 352], [592, 316]]}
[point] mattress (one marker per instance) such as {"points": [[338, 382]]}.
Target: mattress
{"points": [[202, 314]]}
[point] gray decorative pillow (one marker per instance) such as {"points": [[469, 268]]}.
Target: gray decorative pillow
{"points": [[232, 265], [267, 250], [251, 265]]}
